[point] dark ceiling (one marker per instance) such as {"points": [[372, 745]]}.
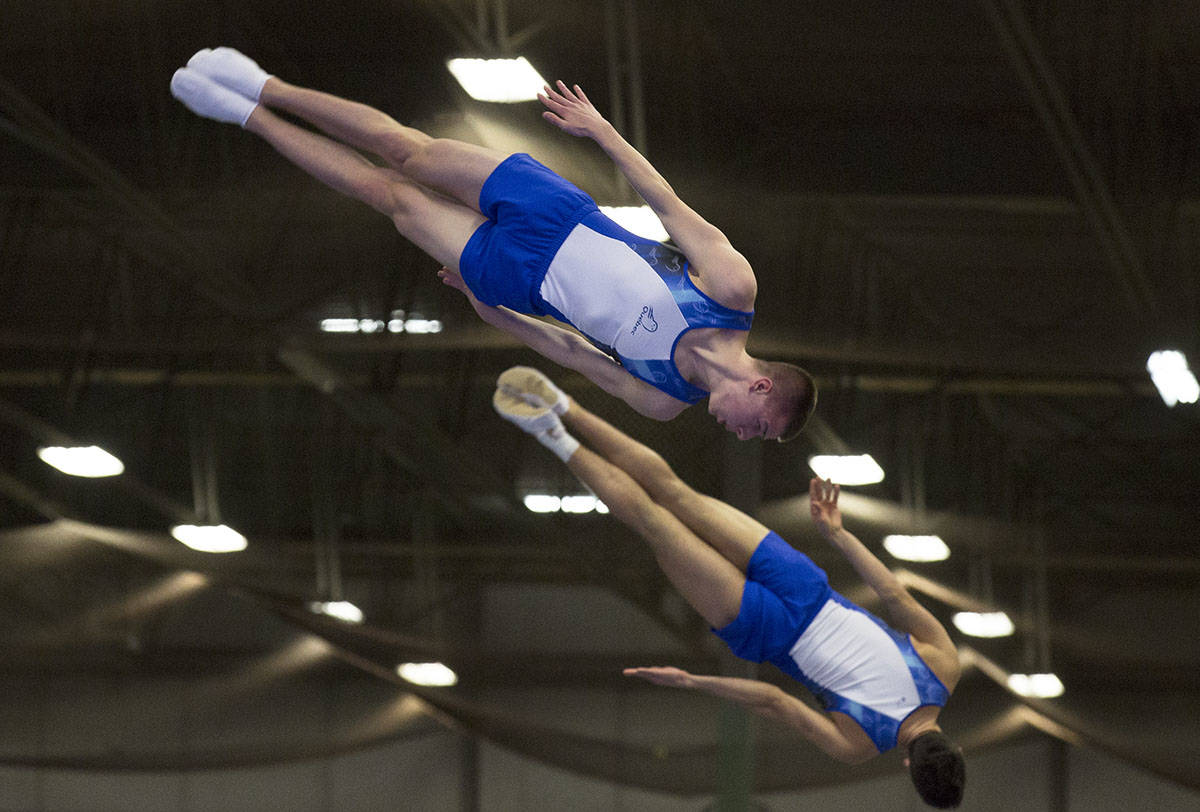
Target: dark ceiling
{"points": [[972, 222]]}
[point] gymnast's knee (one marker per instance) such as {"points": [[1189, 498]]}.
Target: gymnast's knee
{"points": [[668, 489], [428, 155], [398, 197], [399, 144]]}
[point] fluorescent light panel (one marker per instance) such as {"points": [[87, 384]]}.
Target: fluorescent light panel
{"points": [[549, 503], [641, 220], [1171, 375], [847, 469], [342, 610], [86, 461], [498, 80], [984, 624], [1039, 686], [393, 325], [209, 538], [542, 503], [916, 548], [435, 675]]}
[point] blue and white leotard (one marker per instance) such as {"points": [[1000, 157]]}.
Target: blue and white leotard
{"points": [[546, 249]]}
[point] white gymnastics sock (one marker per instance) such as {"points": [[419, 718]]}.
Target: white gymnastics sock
{"points": [[527, 381], [204, 97], [536, 419], [231, 68], [557, 440]]}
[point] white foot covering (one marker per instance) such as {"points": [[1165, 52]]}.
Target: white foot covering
{"points": [[533, 387], [204, 97], [230, 68], [538, 420]]}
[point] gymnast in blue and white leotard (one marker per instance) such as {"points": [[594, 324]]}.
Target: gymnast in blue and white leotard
{"points": [[847, 657], [547, 250]]}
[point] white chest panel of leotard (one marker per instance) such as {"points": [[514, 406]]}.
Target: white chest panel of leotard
{"points": [[609, 293], [846, 652]]}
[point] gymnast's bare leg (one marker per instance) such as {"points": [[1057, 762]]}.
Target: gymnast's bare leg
{"points": [[429, 187]]}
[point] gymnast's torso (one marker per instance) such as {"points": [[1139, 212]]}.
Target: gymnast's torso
{"points": [[634, 299], [859, 666]]}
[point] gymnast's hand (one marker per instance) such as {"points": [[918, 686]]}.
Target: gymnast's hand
{"points": [[454, 279], [663, 675], [571, 111], [823, 496]]}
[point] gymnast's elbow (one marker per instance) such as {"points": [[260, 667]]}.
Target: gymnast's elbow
{"points": [[661, 409], [772, 703]]}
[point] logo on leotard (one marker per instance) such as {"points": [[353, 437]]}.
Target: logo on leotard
{"points": [[645, 320]]}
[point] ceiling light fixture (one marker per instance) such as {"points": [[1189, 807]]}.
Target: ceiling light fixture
{"points": [[342, 610], [984, 624], [847, 469], [434, 675], [1171, 375], [86, 461], [542, 503], [209, 538], [497, 80], [392, 325], [549, 503], [1038, 686], [641, 220], [916, 548]]}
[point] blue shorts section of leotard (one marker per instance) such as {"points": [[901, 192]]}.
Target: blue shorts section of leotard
{"points": [[783, 593], [530, 211]]}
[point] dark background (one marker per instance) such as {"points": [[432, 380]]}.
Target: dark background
{"points": [[971, 221]]}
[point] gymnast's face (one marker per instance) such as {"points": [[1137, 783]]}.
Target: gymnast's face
{"points": [[746, 412]]}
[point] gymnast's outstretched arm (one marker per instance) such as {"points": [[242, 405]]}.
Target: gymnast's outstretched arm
{"points": [[767, 700], [567, 348], [904, 612], [726, 275]]}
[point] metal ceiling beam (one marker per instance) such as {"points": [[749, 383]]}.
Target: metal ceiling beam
{"points": [[1055, 719], [46, 434], [22, 120], [176, 252], [954, 366], [894, 384], [1050, 101], [86, 205], [512, 551], [409, 439], [1002, 541]]}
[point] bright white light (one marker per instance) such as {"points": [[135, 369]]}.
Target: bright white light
{"points": [[89, 461], [984, 624], [422, 326], [342, 610], [850, 469], [209, 538], [431, 674], [393, 325], [641, 220], [917, 548], [498, 80], [1169, 371], [585, 503], [579, 503], [1040, 686], [542, 503]]}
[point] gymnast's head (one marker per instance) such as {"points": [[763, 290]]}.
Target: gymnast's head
{"points": [[937, 769], [774, 403], [796, 396]]}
